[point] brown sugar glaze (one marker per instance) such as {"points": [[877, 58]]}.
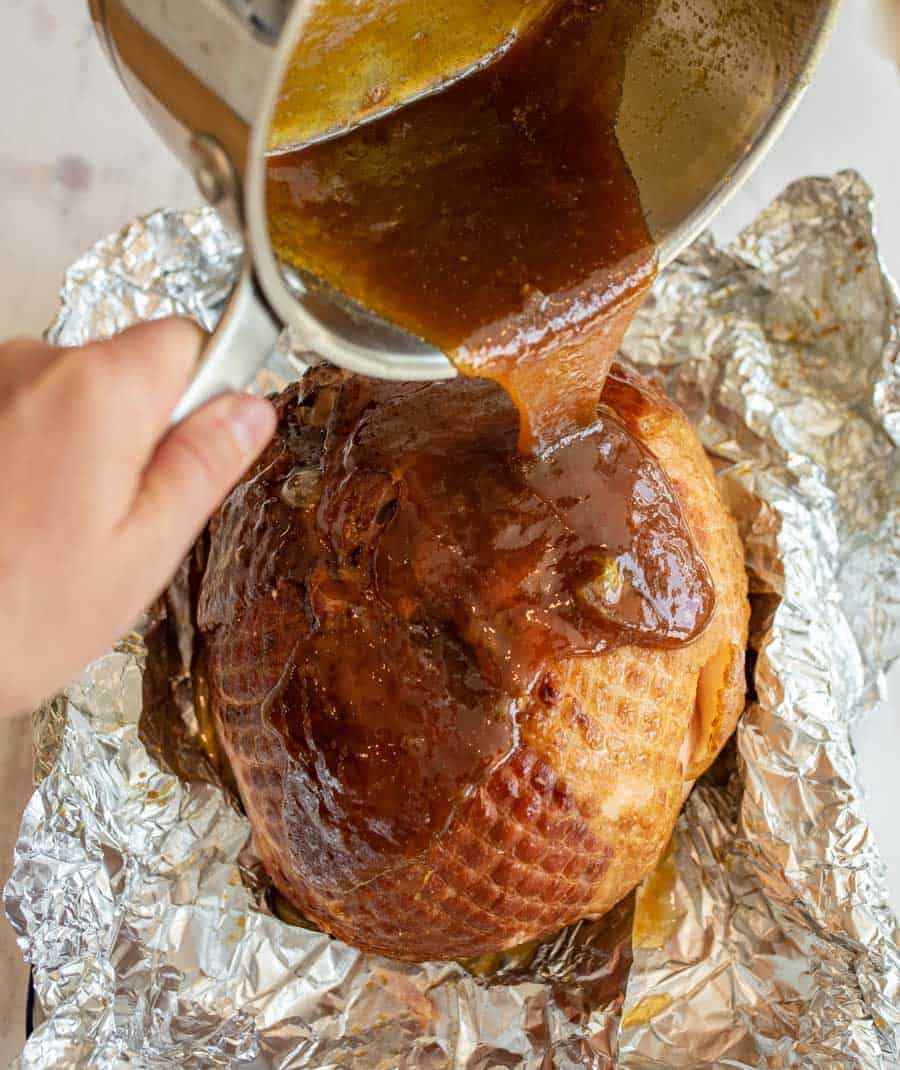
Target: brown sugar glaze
{"points": [[404, 575], [497, 219], [388, 587]]}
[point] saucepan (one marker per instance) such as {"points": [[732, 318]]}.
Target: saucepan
{"points": [[709, 85]]}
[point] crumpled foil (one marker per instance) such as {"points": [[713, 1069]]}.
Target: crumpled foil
{"points": [[762, 940]]}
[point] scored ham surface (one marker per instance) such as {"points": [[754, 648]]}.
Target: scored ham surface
{"points": [[402, 797]]}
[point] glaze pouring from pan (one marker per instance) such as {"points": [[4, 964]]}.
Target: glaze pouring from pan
{"points": [[497, 219], [457, 634]]}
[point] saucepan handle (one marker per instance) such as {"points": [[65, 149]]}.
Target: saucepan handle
{"points": [[237, 349]]}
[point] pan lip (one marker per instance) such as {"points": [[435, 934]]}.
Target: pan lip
{"points": [[425, 362], [676, 241]]}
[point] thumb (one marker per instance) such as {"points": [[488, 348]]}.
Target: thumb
{"points": [[192, 470]]}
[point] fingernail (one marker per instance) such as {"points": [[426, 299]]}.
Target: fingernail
{"points": [[252, 421]]}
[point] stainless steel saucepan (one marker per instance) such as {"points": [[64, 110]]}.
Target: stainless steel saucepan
{"points": [[709, 85]]}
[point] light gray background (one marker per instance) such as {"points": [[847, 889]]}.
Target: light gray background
{"points": [[77, 161]]}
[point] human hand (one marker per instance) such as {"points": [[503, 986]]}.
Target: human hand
{"points": [[99, 499]]}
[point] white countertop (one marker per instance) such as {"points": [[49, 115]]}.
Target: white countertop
{"points": [[78, 161]]}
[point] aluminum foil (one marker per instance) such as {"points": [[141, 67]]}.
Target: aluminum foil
{"points": [[762, 940]]}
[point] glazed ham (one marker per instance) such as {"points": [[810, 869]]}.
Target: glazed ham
{"points": [[463, 691]]}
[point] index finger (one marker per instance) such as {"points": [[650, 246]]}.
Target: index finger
{"points": [[114, 400], [143, 372]]}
